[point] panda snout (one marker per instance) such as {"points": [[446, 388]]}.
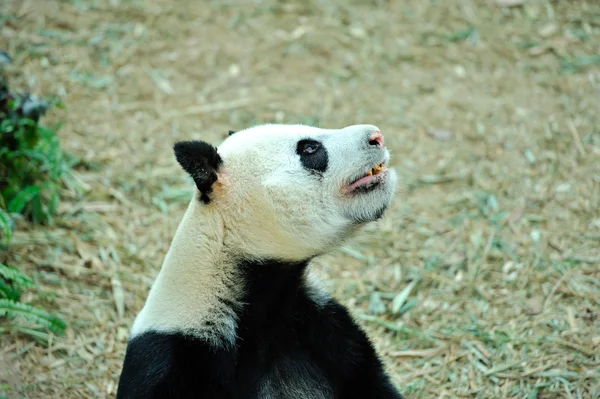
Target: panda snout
{"points": [[376, 139]]}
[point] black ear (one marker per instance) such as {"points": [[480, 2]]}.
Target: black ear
{"points": [[231, 132], [202, 162]]}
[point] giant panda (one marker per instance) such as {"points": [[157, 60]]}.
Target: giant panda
{"points": [[235, 311]]}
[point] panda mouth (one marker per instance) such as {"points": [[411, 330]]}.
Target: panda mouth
{"points": [[370, 180]]}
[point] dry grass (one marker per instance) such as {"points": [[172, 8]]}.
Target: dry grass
{"points": [[492, 114]]}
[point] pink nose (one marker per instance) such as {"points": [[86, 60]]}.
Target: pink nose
{"points": [[376, 139]]}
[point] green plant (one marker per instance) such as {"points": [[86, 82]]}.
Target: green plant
{"points": [[12, 285], [32, 164], [6, 225], [32, 168]]}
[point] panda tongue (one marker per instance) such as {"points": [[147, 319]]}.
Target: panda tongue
{"points": [[363, 180]]}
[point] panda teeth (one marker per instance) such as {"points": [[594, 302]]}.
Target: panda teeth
{"points": [[377, 170]]}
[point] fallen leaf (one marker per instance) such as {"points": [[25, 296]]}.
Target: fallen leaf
{"points": [[441, 134], [548, 30], [118, 295], [539, 50], [376, 305], [534, 306], [5, 58], [100, 207], [402, 297], [516, 214], [161, 82], [455, 258], [509, 3], [431, 352]]}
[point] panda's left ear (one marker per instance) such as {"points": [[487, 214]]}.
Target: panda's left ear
{"points": [[202, 161]]}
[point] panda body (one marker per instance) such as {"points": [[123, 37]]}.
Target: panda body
{"points": [[235, 311]]}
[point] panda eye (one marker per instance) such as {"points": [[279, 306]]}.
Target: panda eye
{"points": [[313, 156], [308, 147]]}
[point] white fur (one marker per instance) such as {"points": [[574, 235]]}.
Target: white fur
{"points": [[194, 273], [263, 205], [278, 210], [315, 290]]}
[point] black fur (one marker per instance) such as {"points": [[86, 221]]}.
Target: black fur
{"points": [[231, 132], [201, 160], [283, 337], [316, 161]]}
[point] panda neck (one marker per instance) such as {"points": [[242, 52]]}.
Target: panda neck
{"points": [[182, 297], [203, 290], [197, 244]]}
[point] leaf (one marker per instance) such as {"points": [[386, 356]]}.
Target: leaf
{"points": [[160, 81], [354, 253], [91, 80], [118, 295], [5, 58], [411, 303], [587, 60], [47, 320], [160, 204], [18, 203], [18, 278], [510, 3], [7, 291], [32, 155], [530, 156], [572, 65], [461, 35], [422, 353], [376, 305], [176, 194], [6, 224], [534, 393], [401, 298], [39, 336], [441, 134], [53, 203], [492, 203], [38, 211]]}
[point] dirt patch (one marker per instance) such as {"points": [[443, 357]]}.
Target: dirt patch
{"points": [[492, 116]]}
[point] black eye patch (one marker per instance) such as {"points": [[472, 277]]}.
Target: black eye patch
{"points": [[313, 155]]}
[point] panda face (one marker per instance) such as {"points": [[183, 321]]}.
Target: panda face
{"points": [[292, 192]]}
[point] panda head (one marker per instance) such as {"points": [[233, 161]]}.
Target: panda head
{"points": [[289, 192]]}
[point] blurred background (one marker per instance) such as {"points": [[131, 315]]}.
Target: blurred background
{"points": [[483, 279]]}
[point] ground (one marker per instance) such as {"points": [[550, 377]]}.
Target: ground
{"points": [[482, 280]]}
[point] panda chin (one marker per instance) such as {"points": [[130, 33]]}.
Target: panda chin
{"points": [[372, 216], [369, 201]]}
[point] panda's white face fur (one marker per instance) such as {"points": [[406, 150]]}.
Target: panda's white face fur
{"points": [[286, 192], [271, 192]]}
